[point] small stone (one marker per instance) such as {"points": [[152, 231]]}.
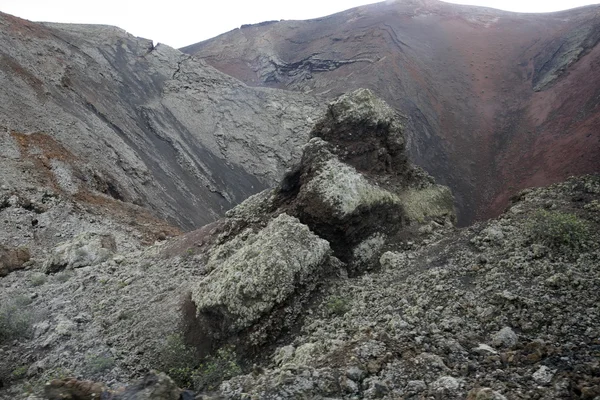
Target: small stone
{"points": [[355, 373], [484, 349], [544, 375], [81, 318], [284, 355], [377, 390], [373, 367], [40, 328], [505, 337], [64, 327], [538, 251], [305, 354], [484, 394], [415, 387], [446, 383], [493, 235], [348, 385]]}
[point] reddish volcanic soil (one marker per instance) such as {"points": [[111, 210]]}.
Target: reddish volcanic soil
{"points": [[496, 101]]}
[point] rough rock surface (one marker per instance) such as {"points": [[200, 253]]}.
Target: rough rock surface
{"points": [[96, 114], [490, 96], [114, 316], [347, 280], [354, 185], [449, 313]]}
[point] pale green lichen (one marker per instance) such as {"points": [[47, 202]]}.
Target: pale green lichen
{"points": [[253, 206], [262, 273], [360, 106], [434, 201], [366, 252], [343, 189]]}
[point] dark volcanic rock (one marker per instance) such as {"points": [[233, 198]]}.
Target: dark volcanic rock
{"points": [[355, 184], [496, 101]]}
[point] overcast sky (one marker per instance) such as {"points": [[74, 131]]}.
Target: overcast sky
{"points": [[179, 23]]}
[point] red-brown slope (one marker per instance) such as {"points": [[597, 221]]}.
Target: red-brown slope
{"points": [[496, 101]]}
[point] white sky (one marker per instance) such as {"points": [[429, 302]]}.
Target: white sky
{"points": [[179, 23]]}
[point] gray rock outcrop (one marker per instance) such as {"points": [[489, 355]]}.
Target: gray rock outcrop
{"points": [[354, 185]]}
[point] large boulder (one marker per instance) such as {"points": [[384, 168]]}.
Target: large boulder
{"points": [[355, 186], [260, 282], [366, 133]]}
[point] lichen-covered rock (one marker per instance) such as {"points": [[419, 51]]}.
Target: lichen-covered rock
{"points": [[365, 254], [354, 182], [84, 250], [253, 207], [342, 190], [272, 266]]}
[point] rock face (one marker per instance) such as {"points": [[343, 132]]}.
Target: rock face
{"points": [[495, 101], [349, 201], [95, 114]]}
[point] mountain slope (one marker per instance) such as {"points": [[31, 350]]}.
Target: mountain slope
{"points": [[496, 101], [93, 111]]}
